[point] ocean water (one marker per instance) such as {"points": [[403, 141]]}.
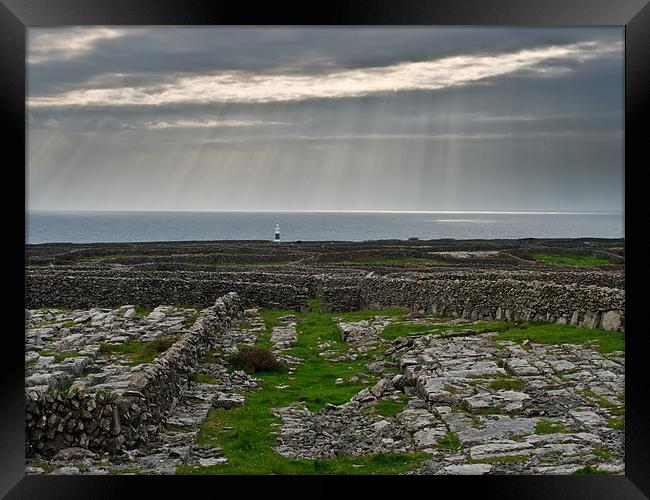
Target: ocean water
{"points": [[91, 227]]}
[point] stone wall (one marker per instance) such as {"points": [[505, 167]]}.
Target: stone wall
{"points": [[56, 420], [585, 305], [112, 421], [593, 299], [106, 289]]}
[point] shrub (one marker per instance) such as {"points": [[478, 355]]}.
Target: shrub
{"points": [[256, 359]]}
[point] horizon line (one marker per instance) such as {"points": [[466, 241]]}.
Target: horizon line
{"points": [[488, 212]]}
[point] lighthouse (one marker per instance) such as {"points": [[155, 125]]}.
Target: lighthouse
{"points": [[277, 233]]}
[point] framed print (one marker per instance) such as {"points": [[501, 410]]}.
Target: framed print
{"points": [[370, 240]]}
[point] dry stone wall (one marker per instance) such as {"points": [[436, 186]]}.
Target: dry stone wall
{"points": [[585, 305], [79, 289], [125, 418], [592, 299]]}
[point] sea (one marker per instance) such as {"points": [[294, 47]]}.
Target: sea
{"points": [[112, 227]]}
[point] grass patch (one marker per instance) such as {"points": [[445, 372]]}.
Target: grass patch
{"points": [[246, 434], [248, 264], [201, 378], [397, 261], [131, 470], [591, 470], [449, 441], [43, 465], [390, 407], [140, 352], [142, 311], [511, 384], [603, 454], [271, 318], [571, 260], [59, 356], [551, 333], [396, 330], [490, 410], [189, 322], [505, 459], [548, 427], [616, 423], [384, 463], [315, 305], [614, 409]]}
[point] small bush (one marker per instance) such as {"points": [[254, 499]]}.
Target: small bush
{"points": [[256, 359]]}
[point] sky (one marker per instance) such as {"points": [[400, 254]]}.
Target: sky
{"points": [[385, 118]]}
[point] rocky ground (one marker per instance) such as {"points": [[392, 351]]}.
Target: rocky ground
{"points": [[478, 405], [463, 398], [82, 347], [211, 386]]}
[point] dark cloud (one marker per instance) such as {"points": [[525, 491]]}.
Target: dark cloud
{"points": [[526, 139]]}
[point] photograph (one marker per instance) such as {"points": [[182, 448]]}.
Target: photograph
{"points": [[325, 250]]}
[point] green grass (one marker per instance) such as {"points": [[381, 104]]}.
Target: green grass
{"points": [[140, 352], [397, 261], [248, 264], [246, 434], [384, 463], [271, 319], [60, 323], [552, 333], [571, 260], [389, 407], [603, 454], [507, 384], [548, 427], [142, 311], [616, 423], [449, 441], [59, 356], [504, 459], [43, 465], [591, 470], [201, 378], [189, 322], [616, 410], [395, 330], [405, 328]]}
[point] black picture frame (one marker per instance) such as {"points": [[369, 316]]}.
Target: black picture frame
{"points": [[18, 15]]}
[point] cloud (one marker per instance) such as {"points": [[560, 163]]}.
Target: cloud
{"points": [[67, 44], [154, 125], [51, 123], [247, 87], [220, 118], [569, 134]]}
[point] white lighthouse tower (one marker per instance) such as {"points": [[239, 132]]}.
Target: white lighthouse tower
{"points": [[277, 233]]}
